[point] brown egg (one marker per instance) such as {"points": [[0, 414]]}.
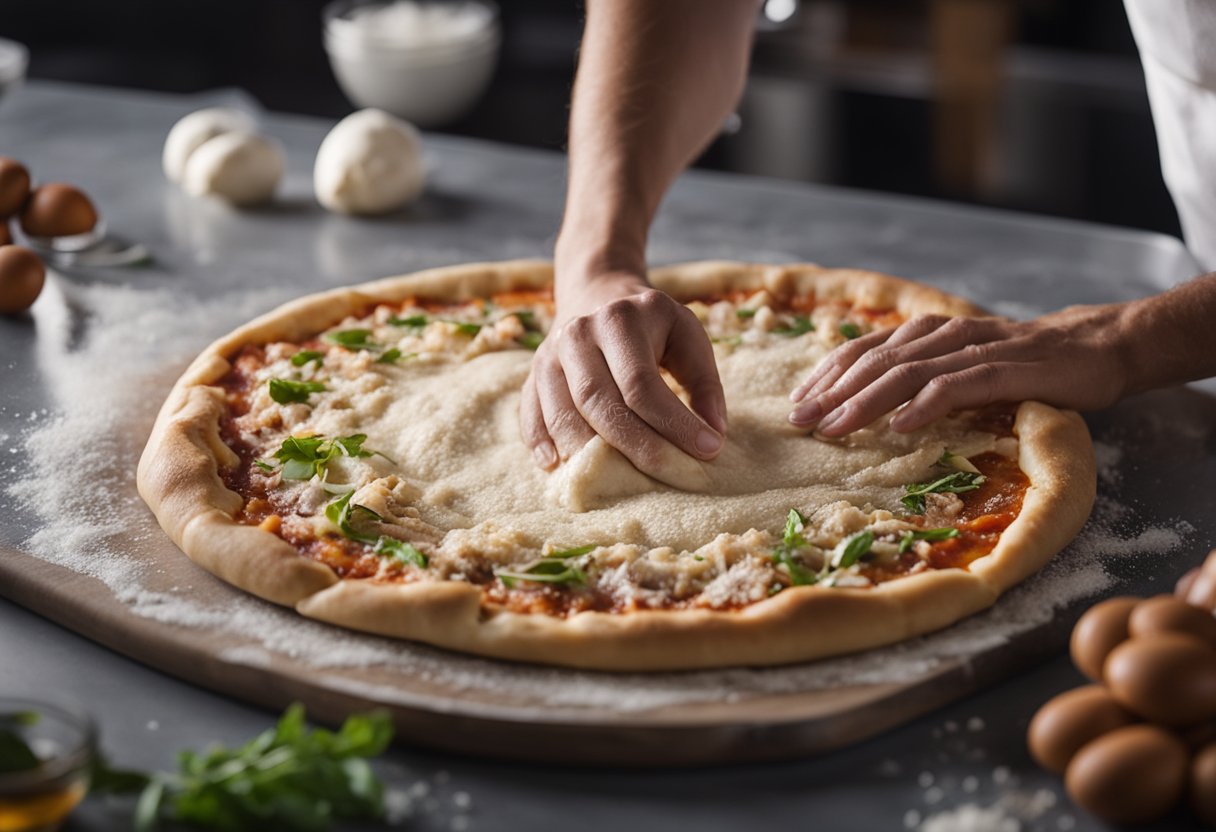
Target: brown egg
{"points": [[1100, 630], [1203, 784], [1165, 613], [58, 210], [1133, 774], [1071, 720], [14, 186], [21, 277], [1169, 678]]}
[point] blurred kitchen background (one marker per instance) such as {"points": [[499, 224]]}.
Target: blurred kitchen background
{"points": [[1037, 105]]}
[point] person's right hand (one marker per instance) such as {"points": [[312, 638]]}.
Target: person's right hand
{"points": [[597, 372]]}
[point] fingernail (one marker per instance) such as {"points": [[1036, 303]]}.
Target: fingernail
{"points": [[708, 442], [806, 413], [545, 455]]}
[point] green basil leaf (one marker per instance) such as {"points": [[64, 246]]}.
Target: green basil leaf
{"points": [[286, 391], [745, 313], [304, 356], [400, 550], [351, 339], [572, 553], [343, 514], [932, 535], [800, 326], [530, 340], [852, 549], [413, 321], [850, 330]]}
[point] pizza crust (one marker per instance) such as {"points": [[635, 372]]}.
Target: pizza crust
{"points": [[178, 478]]}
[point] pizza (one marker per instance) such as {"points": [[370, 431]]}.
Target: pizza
{"points": [[355, 455]]}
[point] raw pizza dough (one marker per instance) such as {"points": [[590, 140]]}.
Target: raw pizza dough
{"points": [[451, 455]]}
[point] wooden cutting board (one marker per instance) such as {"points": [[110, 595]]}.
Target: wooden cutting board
{"points": [[458, 703]]}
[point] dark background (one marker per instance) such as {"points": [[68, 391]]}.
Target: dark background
{"points": [[1030, 104]]}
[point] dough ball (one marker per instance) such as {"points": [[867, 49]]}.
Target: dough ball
{"points": [[370, 163], [242, 168], [193, 130]]}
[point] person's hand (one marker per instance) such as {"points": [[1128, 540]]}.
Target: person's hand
{"points": [[937, 365], [1198, 586], [598, 373]]}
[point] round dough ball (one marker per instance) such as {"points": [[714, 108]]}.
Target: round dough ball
{"points": [[14, 186], [242, 168], [1169, 678], [1069, 721], [1101, 629], [21, 278], [193, 130], [370, 163]]}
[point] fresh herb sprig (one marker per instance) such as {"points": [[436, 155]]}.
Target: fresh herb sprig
{"points": [[303, 457], [907, 539], [466, 328], [352, 339], [786, 552], [849, 330], [344, 513], [304, 356], [287, 391], [289, 777], [554, 568], [958, 482], [800, 326], [851, 549]]}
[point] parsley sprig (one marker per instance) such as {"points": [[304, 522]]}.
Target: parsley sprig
{"points": [[303, 457], [958, 482], [554, 568], [288, 777]]}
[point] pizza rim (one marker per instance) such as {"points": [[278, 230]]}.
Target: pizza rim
{"points": [[179, 478]]}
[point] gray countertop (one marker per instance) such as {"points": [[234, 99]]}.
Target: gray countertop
{"points": [[493, 202]]}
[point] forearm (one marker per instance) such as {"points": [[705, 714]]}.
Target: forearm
{"points": [[655, 81], [1170, 338]]}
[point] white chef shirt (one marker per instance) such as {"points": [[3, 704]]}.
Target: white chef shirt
{"points": [[1177, 40]]}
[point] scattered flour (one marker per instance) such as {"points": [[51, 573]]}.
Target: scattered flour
{"points": [[108, 374]]}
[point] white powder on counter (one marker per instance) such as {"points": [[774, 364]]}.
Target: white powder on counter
{"points": [[108, 383]]}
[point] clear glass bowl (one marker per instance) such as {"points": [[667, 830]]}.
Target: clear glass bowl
{"points": [[39, 796]]}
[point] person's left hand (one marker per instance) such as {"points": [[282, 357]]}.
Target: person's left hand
{"points": [[937, 365]]}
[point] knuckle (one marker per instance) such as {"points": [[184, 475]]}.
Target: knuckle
{"points": [[636, 386], [912, 372], [650, 298], [978, 353]]}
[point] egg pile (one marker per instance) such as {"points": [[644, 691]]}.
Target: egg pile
{"points": [[1143, 737]]}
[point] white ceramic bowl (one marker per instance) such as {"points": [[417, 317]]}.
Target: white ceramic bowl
{"points": [[428, 84]]}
